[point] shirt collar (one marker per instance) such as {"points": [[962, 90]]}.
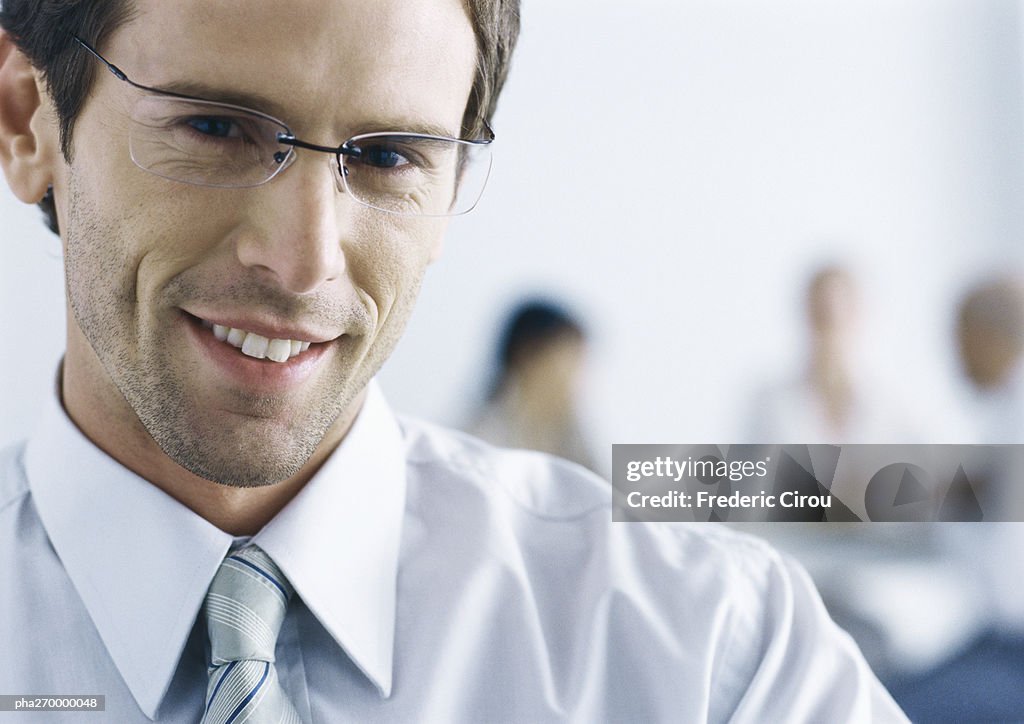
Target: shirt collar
{"points": [[338, 540], [142, 562]]}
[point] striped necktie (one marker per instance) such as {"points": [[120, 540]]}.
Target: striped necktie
{"points": [[244, 610]]}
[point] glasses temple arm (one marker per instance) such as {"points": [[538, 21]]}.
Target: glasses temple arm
{"points": [[118, 73], [490, 131]]}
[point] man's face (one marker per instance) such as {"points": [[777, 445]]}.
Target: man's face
{"points": [[152, 263]]}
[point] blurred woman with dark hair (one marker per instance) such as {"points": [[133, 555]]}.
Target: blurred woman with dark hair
{"points": [[532, 401]]}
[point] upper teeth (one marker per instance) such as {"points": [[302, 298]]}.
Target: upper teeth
{"points": [[258, 346]]}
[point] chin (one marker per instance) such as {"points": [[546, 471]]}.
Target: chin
{"points": [[240, 457], [252, 474]]}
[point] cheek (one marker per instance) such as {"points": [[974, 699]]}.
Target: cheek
{"points": [[171, 233], [388, 262], [100, 273], [98, 257]]}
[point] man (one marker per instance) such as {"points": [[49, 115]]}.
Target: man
{"points": [[222, 520], [988, 667], [837, 397]]}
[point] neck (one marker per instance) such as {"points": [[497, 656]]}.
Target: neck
{"points": [[235, 510], [830, 378]]}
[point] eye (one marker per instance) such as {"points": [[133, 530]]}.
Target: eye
{"points": [[216, 127], [382, 156]]}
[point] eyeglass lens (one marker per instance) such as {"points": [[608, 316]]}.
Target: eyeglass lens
{"points": [[213, 144]]}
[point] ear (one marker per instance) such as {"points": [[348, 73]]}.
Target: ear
{"points": [[28, 132]]}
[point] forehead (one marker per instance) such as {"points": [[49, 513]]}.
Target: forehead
{"points": [[364, 61]]}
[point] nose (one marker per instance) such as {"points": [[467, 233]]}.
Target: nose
{"points": [[300, 226]]}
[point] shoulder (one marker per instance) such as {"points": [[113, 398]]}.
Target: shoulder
{"points": [[535, 483], [531, 538], [535, 496]]}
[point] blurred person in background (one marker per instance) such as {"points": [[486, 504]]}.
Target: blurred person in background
{"points": [[894, 587], [835, 399], [990, 340], [987, 671], [533, 401]]}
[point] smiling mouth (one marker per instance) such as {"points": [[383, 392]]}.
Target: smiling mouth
{"points": [[256, 345]]}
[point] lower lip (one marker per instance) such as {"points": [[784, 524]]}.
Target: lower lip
{"points": [[261, 375]]}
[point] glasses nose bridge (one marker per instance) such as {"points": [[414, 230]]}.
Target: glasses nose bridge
{"points": [[334, 153]]}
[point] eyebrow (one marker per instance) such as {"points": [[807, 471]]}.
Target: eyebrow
{"points": [[424, 128], [204, 92], [264, 104]]}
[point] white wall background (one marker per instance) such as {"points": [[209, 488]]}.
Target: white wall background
{"points": [[675, 170]]}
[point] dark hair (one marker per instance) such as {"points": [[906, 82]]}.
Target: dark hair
{"points": [[43, 29], [531, 326]]}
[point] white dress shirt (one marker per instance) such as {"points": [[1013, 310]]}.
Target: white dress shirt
{"points": [[437, 579], [794, 411]]}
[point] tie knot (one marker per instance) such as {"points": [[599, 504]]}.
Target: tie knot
{"points": [[245, 606]]}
